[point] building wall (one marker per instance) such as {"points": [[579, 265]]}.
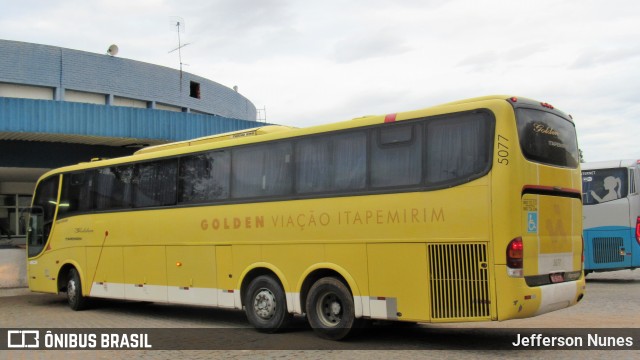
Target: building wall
{"points": [[85, 97], [26, 91], [13, 263], [58, 121], [61, 106], [68, 71]]}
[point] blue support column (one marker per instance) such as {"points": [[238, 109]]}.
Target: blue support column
{"points": [[58, 94]]}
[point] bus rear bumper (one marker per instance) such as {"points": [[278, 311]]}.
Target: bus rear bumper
{"points": [[517, 300], [559, 296]]}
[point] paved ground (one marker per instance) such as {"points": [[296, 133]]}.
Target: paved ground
{"points": [[612, 301]]}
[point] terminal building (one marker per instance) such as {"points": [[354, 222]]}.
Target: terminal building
{"points": [[60, 106]]}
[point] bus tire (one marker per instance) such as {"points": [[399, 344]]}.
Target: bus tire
{"points": [[330, 309], [76, 300], [266, 305]]}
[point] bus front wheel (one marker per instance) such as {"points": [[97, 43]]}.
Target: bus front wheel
{"points": [[330, 309], [74, 291], [266, 305]]}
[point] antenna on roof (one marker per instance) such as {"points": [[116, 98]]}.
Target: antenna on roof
{"points": [[112, 50], [178, 25]]}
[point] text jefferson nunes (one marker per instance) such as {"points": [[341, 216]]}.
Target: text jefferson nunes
{"points": [[593, 340]]}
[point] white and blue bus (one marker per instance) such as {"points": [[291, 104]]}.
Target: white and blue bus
{"points": [[611, 215]]}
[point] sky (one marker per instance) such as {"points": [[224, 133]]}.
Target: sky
{"points": [[310, 62]]}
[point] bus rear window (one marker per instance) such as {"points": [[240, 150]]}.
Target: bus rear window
{"points": [[547, 138], [603, 185]]}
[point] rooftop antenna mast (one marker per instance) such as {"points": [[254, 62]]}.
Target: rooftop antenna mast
{"points": [[178, 24]]}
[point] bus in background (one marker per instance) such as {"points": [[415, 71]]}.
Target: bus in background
{"points": [[466, 211], [611, 215]]}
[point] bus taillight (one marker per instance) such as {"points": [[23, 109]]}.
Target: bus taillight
{"points": [[638, 230], [515, 255]]}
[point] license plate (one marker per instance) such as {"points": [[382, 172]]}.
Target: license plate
{"points": [[556, 278]]}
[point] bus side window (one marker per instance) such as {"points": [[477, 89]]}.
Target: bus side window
{"points": [[261, 170], [396, 156], [332, 163], [112, 187], [349, 159], [77, 193], [122, 187], [155, 183], [204, 177], [313, 165], [457, 148]]}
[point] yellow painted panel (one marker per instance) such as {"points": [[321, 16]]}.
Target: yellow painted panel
{"points": [[515, 299], [243, 257], [400, 271], [40, 272], [145, 265], [224, 268], [555, 224], [105, 265], [191, 266], [353, 259], [293, 260], [551, 234]]}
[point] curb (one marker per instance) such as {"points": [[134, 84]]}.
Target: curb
{"points": [[5, 292]]}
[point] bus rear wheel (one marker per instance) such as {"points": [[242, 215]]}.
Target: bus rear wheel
{"points": [[74, 291], [330, 309], [266, 305]]}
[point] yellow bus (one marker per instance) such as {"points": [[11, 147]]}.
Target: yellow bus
{"points": [[466, 211]]}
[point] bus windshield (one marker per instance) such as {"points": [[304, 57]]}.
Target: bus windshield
{"points": [[603, 185], [41, 215], [547, 138]]}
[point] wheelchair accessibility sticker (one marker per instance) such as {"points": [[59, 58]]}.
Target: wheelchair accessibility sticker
{"points": [[532, 222]]}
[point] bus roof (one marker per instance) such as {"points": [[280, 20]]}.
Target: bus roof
{"points": [[268, 129], [610, 164]]}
